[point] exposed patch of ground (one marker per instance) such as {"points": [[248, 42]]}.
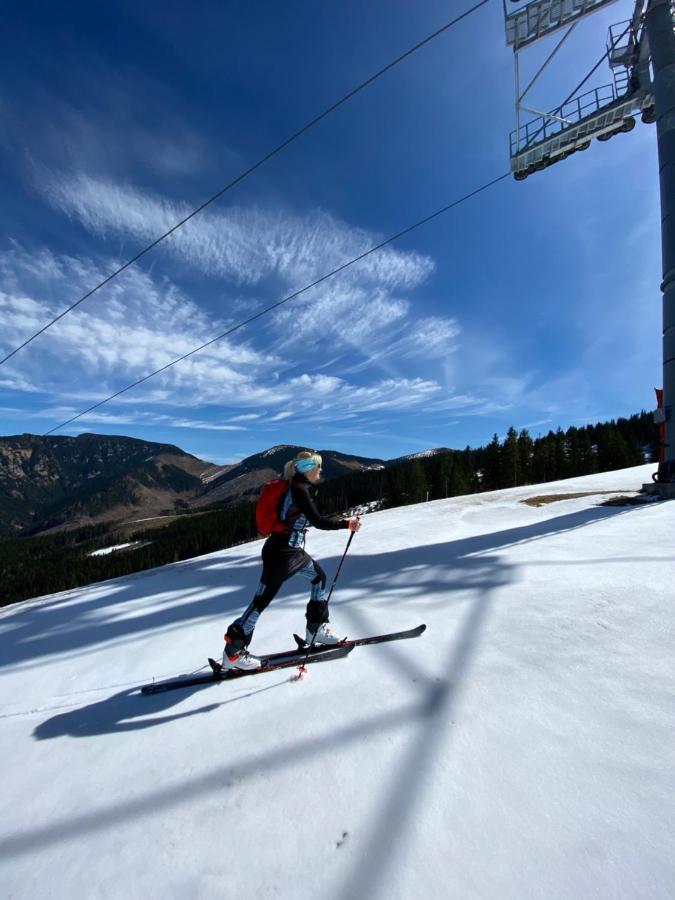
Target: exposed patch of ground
{"points": [[542, 499], [637, 500]]}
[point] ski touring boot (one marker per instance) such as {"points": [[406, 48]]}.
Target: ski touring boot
{"points": [[321, 634], [238, 657]]}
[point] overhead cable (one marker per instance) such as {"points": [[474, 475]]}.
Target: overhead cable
{"points": [[287, 299], [251, 169]]}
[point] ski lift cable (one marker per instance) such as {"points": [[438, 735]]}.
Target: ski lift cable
{"points": [[305, 128], [285, 300]]}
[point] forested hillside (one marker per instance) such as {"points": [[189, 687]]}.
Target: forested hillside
{"points": [[38, 565], [517, 460]]}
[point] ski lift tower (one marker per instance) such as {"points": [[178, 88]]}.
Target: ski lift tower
{"points": [[641, 55]]}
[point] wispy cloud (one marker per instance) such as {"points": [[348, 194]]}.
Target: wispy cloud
{"points": [[249, 247], [142, 324], [144, 321], [354, 316], [198, 424], [139, 325], [427, 338], [244, 245], [134, 417]]}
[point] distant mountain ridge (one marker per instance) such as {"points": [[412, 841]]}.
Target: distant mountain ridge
{"points": [[245, 479], [55, 483], [48, 482], [421, 454]]}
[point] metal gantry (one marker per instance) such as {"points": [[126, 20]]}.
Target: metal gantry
{"points": [[538, 18], [602, 112], [641, 54]]}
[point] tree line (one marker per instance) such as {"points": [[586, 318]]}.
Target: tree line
{"points": [[32, 566], [516, 460]]}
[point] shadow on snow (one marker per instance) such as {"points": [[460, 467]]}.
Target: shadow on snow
{"points": [[72, 625], [431, 712]]}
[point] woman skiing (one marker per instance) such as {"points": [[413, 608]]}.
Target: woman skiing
{"points": [[283, 555]]}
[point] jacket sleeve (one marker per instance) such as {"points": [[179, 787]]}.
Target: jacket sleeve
{"points": [[304, 502]]}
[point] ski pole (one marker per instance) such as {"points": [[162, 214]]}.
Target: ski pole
{"points": [[325, 602]]}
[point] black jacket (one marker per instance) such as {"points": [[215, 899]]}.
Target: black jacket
{"points": [[299, 509]]}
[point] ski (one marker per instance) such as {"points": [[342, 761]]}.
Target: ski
{"points": [[283, 660], [373, 639]]}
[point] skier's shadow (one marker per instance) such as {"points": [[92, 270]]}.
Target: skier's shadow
{"points": [[128, 710]]}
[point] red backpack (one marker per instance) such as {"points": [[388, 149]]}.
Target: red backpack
{"points": [[267, 507]]}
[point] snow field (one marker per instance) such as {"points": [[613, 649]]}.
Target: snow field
{"points": [[522, 747]]}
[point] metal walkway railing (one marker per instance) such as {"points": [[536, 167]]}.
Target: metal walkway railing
{"points": [[571, 126], [541, 17]]}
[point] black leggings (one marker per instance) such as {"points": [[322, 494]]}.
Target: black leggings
{"points": [[277, 570]]}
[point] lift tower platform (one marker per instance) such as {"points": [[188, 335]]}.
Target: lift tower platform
{"points": [[600, 113]]}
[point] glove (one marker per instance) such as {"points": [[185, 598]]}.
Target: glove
{"points": [[354, 524]]}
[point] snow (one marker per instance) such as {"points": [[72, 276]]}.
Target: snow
{"points": [[275, 449], [208, 478], [151, 519], [423, 454], [521, 748], [365, 508], [104, 551]]}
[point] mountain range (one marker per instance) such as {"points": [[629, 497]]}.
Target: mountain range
{"points": [[55, 483]]}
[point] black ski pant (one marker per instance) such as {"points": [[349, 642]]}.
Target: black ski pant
{"points": [[279, 564]]}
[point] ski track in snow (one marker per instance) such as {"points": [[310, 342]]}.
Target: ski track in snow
{"points": [[521, 748]]}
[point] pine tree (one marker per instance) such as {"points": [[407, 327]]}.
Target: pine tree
{"points": [[526, 456], [417, 483], [588, 458], [460, 483], [491, 477], [397, 488], [560, 456], [510, 459], [542, 462], [442, 475]]}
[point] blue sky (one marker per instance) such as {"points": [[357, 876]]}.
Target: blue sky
{"points": [[535, 304]]}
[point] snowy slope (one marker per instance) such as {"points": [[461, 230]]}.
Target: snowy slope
{"points": [[521, 748]]}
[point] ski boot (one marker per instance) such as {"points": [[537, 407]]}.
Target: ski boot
{"points": [[236, 655], [320, 634]]}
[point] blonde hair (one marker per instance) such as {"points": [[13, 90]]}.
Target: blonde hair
{"points": [[289, 468]]}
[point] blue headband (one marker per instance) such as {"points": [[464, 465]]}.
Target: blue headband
{"points": [[307, 464]]}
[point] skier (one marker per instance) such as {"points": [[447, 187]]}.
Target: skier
{"points": [[283, 555]]}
